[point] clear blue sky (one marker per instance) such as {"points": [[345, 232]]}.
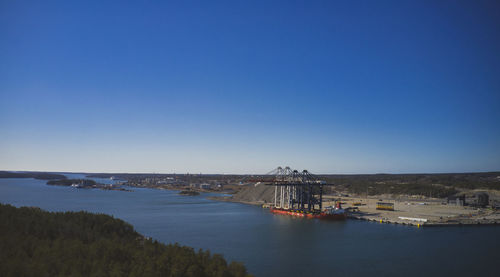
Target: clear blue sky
{"points": [[245, 86]]}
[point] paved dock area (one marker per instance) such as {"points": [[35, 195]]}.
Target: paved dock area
{"points": [[416, 212]]}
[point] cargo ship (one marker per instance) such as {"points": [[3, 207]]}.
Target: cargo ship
{"points": [[330, 213]]}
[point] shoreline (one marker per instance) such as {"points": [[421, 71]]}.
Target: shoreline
{"points": [[431, 211], [393, 217]]}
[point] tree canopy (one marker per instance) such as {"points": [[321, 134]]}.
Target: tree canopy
{"points": [[34, 242]]}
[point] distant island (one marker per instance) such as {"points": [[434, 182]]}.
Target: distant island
{"points": [[34, 242], [85, 184], [36, 175]]}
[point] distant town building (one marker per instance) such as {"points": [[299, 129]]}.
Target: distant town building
{"points": [[482, 199], [204, 186], [456, 200]]}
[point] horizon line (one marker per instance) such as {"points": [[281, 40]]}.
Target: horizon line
{"points": [[200, 173]]}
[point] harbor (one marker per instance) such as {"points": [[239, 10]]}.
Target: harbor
{"points": [[302, 194], [430, 213], [413, 213]]}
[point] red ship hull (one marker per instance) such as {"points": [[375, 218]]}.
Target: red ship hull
{"points": [[297, 213]]}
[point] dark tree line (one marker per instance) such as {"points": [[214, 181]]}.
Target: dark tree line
{"points": [[36, 175], [434, 185], [69, 182], [34, 242]]}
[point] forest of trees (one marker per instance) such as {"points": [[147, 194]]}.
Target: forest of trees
{"points": [[69, 182], [34, 242], [432, 185]]}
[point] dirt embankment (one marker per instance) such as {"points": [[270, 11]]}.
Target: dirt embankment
{"points": [[255, 195], [259, 193]]}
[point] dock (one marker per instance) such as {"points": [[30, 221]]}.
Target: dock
{"points": [[418, 213]]}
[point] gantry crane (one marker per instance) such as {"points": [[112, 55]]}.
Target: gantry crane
{"points": [[294, 189]]}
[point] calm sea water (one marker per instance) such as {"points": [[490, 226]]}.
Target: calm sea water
{"points": [[276, 245]]}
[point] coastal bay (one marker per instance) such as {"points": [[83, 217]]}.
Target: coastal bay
{"points": [[267, 243]]}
